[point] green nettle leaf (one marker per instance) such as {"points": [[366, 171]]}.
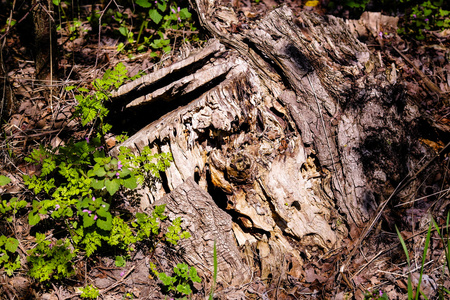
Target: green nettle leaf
{"points": [[130, 183], [88, 220], [103, 211], [100, 172], [112, 186], [33, 218], [125, 172], [11, 245], [162, 6], [120, 261], [4, 180], [123, 31], [143, 3], [155, 15], [185, 14], [105, 225], [98, 184], [56, 2]]}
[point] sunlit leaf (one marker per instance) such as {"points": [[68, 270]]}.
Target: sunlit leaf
{"points": [[4, 180], [155, 15], [143, 3]]}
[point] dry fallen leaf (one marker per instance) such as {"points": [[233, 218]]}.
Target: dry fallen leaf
{"points": [[312, 3], [436, 146]]}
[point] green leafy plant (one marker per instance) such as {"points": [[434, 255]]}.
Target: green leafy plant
{"points": [[9, 258], [79, 188], [51, 259], [154, 25], [355, 7], [181, 280], [72, 27], [424, 17], [12, 206], [91, 104], [357, 4], [120, 261], [141, 25], [174, 233], [128, 296], [90, 292], [9, 23], [375, 295]]}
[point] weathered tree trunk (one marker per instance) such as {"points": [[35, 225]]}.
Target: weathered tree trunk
{"points": [[291, 127], [8, 102], [45, 41]]}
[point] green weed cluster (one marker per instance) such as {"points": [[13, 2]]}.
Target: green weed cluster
{"points": [[181, 280], [78, 192], [90, 292], [143, 24], [9, 258], [424, 17], [358, 5], [375, 295]]}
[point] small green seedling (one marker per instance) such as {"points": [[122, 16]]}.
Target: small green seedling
{"points": [[90, 292]]}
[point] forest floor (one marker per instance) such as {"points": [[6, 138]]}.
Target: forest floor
{"points": [[40, 121]]}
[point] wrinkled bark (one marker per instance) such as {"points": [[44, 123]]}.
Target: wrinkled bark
{"points": [[8, 101], [45, 41], [207, 224], [291, 127]]}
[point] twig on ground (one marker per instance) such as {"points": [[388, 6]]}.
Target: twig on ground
{"points": [[58, 292], [118, 282], [429, 84]]}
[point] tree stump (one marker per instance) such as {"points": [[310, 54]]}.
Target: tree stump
{"points": [[293, 129]]}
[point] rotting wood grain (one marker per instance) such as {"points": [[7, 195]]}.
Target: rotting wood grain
{"points": [[294, 139]]}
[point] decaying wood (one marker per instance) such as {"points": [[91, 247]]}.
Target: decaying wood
{"points": [[45, 41], [289, 127], [206, 223], [8, 101]]}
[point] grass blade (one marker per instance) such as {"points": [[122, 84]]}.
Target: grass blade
{"points": [[402, 242], [447, 251], [211, 294], [445, 243], [425, 250], [403, 245]]}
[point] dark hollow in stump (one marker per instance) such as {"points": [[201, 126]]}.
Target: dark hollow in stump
{"points": [[293, 130]]}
